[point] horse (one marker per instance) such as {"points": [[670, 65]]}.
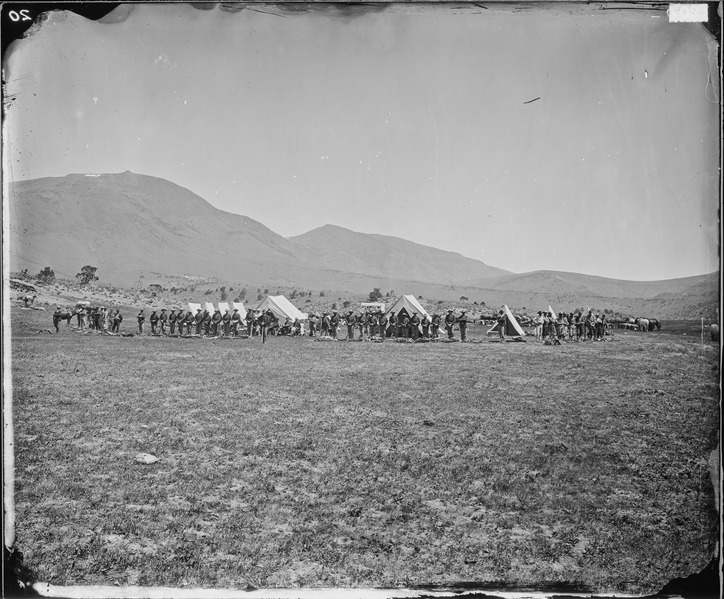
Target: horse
{"points": [[63, 315], [643, 324], [654, 324]]}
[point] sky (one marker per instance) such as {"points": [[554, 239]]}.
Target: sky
{"points": [[568, 138]]}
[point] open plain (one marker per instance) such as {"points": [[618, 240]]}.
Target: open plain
{"points": [[301, 463]]}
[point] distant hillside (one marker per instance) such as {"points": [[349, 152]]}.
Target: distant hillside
{"points": [[130, 226], [336, 248], [126, 224]]}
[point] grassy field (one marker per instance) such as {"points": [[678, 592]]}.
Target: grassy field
{"points": [[300, 463]]}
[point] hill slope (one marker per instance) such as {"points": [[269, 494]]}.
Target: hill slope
{"points": [[126, 224], [333, 247]]}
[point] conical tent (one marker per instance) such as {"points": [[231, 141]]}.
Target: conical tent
{"points": [[512, 328], [224, 307], [409, 304], [193, 308], [209, 307], [281, 307]]}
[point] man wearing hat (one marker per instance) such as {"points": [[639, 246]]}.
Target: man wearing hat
{"points": [[199, 320], [172, 322], [449, 322], [235, 322], [154, 321], [334, 324], [207, 323], [435, 326], [216, 322], [163, 320], [414, 324], [141, 317], [463, 324], [374, 321], [351, 321], [226, 318], [502, 319], [325, 324], [425, 326], [383, 325]]}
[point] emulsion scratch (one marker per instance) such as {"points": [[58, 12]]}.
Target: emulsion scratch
{"points": [[533, 100]]}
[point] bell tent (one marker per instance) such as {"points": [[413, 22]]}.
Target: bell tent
{"points": [[409, 304], [512, 328], [281, 307]]}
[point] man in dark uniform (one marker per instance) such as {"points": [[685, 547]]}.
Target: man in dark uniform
{"points": [[351, 321], [235, 322], [374, 321], [435, 326], [502, 319], [414, 323], [425, 326], [57, 318], [250, 323], [154, 321], [163, 319], [449, 322], [215, 323], [393, 324], [189, 322], [361, 324], [226, 318], [117, 320], [463, 324], [207, 323], [325, 324], [172, 322], [141, 317], [334, 324], [383, 325], [199, 320], [405, 325]]}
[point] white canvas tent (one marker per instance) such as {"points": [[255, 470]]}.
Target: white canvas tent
{"points": [[281, 307], [224, 307], [512, 328], [240, 307], [409, 304], [193, 308], [209, 307]]}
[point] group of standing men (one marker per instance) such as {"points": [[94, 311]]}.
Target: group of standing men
{"points": [[378, 325], [569, 327]]}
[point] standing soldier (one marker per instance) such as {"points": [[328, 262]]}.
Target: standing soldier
{"points": [[153, 320], [449, 322], [426, 326], [374, 322], [56, 318], [463, 324], [226, 318], [235, 322], [250, 323], [79, 316], [502, 319], [207, 323], [325, 324], [383, 325], [405, 325], [414, 324], [215, 323], [539, 326], [117, 320], [334, 324], [393, 324], [199, 320], [141, 317], [189, 320], [435, 326], [163, 319], [361, 318], [351, 321], [172, 322]]}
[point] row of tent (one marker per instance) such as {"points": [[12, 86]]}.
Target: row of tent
{"points": [[282, 309]]}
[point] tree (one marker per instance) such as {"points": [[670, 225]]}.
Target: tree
{"points": [[46, 275], [375, 295], [260, 297], [223, 293], [293, 294], [463, 298], [345, 304], [321, 294], [87, 274]]}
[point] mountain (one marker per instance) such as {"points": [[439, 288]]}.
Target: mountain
{"points": [[130, 226], [385, 257], [127, 224]]}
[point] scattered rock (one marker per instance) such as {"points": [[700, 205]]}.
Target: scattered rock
{"points": [[146, 458]]}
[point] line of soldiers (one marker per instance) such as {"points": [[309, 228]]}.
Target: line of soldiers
{"points": [[570, 327], [378, 325]]}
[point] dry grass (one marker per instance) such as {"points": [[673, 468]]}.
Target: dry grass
{"points": [[357, 464]]}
